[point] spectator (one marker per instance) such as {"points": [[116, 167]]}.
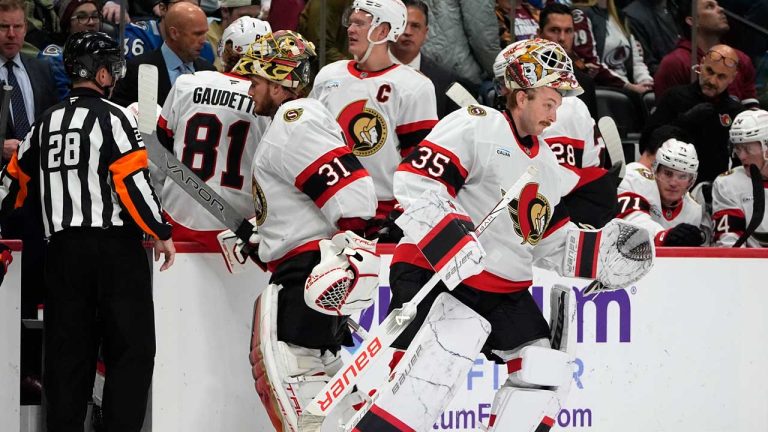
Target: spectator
{"points": [[675, 68], [503, 9], [34, 91], [285, 15], [732, 199], [610, 49], [74, 16], [704, 110], [185, 29], [310, 25], [653, 26], [463, 37], [654, 195], [557, 24], [407, 50], [526, 19], [230, 11]]}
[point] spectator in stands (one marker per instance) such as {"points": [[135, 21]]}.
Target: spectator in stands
{"points": [[463, 37], [407, 50], [230, 11], [285, 13], [675, 68], [185, 28], [310, 25], [74, 16], [704, 110], [607, 47], [34, 91], [557, 24], [653, 26], [526, 18], [503, 9]]}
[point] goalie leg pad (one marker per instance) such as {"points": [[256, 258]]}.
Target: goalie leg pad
{"points": [[562, 317], [523, 410], [287, 376], [431, 371]]}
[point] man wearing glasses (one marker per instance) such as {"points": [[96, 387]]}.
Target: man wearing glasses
{"points": [[675, 68], [704, 109]]}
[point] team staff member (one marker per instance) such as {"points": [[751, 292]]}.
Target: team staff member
{"points": [[89, 163]]}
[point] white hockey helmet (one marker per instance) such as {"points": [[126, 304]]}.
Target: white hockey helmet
{"points": [[679, 156], [750, 126], [243, 32], [536, 62], [393, 12]]}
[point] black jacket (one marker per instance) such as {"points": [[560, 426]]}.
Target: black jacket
{"points": [[654, 27], [442, 79]]}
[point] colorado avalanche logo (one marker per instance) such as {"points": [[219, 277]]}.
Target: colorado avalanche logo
{"points": [[364, 128], [530, 213], [259, 202]]}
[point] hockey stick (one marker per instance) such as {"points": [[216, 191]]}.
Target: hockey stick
{"points": [[121, 30], [187, 180], [460, 96], [758, 205], [612, 140], [371, 350], [5, 108]]}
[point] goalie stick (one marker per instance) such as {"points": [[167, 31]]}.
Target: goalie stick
{"points": [[371, 350], [187, 180], [758, 205], [613, 146], [5, 108], [460, 96]]}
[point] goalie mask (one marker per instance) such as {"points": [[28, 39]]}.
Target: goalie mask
{"points": [[344, 280], [282, 57], [679, 156], [537, 63]]}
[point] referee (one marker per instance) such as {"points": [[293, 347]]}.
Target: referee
{"points": [[88, 160]]}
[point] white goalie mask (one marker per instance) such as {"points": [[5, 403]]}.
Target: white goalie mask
{"points": [[536, 63], [344, 280]]}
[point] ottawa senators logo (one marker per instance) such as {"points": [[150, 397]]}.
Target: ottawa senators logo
{"points": [[259, 202], [645, 172], [293, 114], [530, 213], [364, 128]]}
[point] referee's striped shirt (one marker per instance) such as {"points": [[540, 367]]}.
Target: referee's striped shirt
{"points": [[92, 168]]}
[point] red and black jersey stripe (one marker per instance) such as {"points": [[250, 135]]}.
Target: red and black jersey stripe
{"points": [[630, 202], [431, 160], [729, 221], [560, 217], [411, 134], [330, 173]]}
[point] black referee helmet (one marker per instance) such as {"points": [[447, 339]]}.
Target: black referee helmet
{"points": [[86, 52]]}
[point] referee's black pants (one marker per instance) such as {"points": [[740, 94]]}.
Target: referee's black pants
{"points": [[98, 290]]}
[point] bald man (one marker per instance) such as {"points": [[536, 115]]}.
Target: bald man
{"points": [[704, 109], [185, 27]]}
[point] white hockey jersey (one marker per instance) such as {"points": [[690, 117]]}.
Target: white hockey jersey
{"points": [[305, 179], [732, 209], [572, 136], [472, 155], [384, 115], [207, 122], [640, 203]]}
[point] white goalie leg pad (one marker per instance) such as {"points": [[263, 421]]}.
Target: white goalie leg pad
{"points": [[287, 376], [523, 410], [430, 373]]}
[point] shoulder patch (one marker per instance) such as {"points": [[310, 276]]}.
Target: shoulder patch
{"points": [[52, 50], [141, 24], [475, 110], [293, 114], [645, 172], [727, 173]]}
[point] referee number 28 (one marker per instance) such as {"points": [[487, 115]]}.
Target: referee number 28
{"points": [[64, 150]]}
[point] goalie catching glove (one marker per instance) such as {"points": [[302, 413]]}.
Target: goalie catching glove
{"points": [[344, 280], [615, 256]]}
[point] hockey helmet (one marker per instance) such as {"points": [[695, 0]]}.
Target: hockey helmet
{"points": [[534, 63], [241, 33], [86, 52], [679, 156], [750, 126], [282, 57], [393, 12]]}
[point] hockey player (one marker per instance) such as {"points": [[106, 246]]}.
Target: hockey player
{"points": [[732, 200], [469, 158], [656, 197], [207, 121], [308, 187], [384, 109], [572, 139]]}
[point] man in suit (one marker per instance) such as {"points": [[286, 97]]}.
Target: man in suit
{"points": [[28, 102], [185, 30], [407, 50]]}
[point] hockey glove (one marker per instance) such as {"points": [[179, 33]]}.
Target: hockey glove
{"points": [[236, 251], [5, 260], [683, 235]]}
